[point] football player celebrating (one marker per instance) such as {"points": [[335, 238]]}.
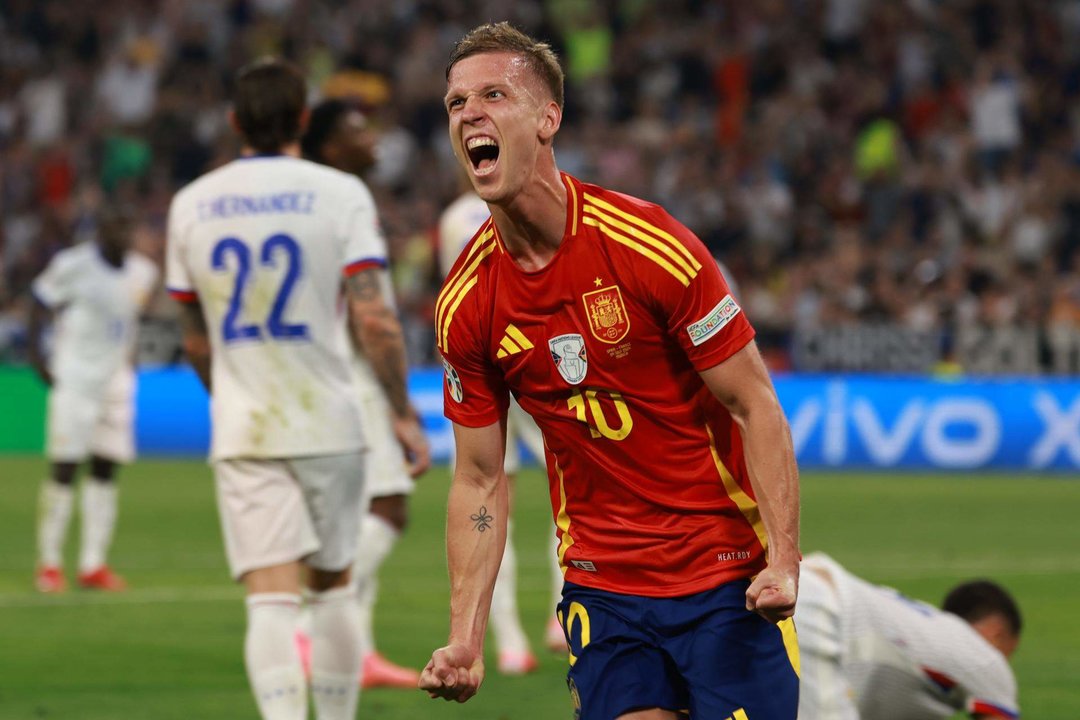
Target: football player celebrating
{"points": [[673, 481]]}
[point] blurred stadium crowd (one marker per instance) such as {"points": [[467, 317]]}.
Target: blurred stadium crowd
{"points": [[908, 164]]}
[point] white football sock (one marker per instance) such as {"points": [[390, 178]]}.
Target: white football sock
{"points": [[271, 657], [377, 539], [98, 521], [335, 654], [54, 515], [505, 623]]}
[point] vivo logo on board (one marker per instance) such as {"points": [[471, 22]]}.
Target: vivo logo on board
{"points": [[934, 424]]}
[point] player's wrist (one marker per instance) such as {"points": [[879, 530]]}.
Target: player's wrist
{"points": [[472, 645], [785, 559]]}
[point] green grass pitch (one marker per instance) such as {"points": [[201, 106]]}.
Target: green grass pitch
{"points": [[171, 646]]}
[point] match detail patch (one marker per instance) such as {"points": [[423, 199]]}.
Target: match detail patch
{"points": [[714, 322], [453, 382], [568, 354]]}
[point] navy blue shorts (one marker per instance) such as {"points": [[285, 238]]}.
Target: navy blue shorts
{"points": [[701, 654]]}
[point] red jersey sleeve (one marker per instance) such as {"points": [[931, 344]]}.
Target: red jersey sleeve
{"points": [[702, 314], [474, 393]]}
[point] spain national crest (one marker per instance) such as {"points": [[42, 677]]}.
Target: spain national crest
{"points": [[568, 353], [607, 314]]}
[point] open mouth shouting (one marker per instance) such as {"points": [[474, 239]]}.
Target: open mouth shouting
{"points": [[483, 152]]}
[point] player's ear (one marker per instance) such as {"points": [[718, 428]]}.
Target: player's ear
{"points": [[231, 116], [550, 121], [305, 117]]}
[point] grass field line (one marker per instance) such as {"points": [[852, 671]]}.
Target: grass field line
{"points": [[148, 596]]}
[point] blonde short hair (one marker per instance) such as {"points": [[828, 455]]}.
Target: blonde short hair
{"points": [[504, 37]]}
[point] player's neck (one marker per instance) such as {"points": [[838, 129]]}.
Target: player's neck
{"points": [[111, 256], [996, 630], [292, 150], [532, 224]]}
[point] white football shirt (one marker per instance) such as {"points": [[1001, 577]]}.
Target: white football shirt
{"points": [[906, 660], [263, 243], [457, 225], [98, 307]]}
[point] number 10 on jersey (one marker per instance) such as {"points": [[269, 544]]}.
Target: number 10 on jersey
{"points": [[589, 410], [275, 326]]}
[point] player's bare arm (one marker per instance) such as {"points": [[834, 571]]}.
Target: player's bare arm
{"points": [[475, 535], [742, 384], [40, 316], [196, 340], [377, 331]]}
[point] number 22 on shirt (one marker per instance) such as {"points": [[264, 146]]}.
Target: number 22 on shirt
{"points": [[233, 252]]}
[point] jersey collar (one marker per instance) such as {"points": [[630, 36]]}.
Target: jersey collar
{"points": [[261, 156], [573, 205]]}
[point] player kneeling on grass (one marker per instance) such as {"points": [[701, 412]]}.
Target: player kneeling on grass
{"points": [[97, 290], [671, 471], [870, 653]]}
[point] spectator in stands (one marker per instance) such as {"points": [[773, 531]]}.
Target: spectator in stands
{"points": [[738, 116]]}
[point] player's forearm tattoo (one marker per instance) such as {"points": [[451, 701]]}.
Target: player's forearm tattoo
{"points": [[377, 332], [481, 520], [364, 285]]}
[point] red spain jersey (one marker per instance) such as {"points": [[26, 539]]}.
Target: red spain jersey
{"points": [[603, 346]]}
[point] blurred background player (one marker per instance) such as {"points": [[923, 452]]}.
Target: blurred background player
{"points": [[458, 225], [256, 251], [870, 653], [338, 136], [95, 292]]}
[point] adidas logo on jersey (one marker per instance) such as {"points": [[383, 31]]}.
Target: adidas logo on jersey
{"points": [[513, 342]]}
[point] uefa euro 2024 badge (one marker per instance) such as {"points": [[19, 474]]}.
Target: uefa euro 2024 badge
{"points": [[568, 352], [453, 382]]}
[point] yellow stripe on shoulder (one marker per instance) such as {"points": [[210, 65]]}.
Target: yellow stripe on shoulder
{"points": [[573, 203], [487, 231], [454, 289], [444, 335], [647, 227], [635, 245], [666, 249]]}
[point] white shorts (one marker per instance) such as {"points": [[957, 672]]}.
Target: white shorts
{"points": [[387, 472], [824, 691], [284, 510], [81, 424]]}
